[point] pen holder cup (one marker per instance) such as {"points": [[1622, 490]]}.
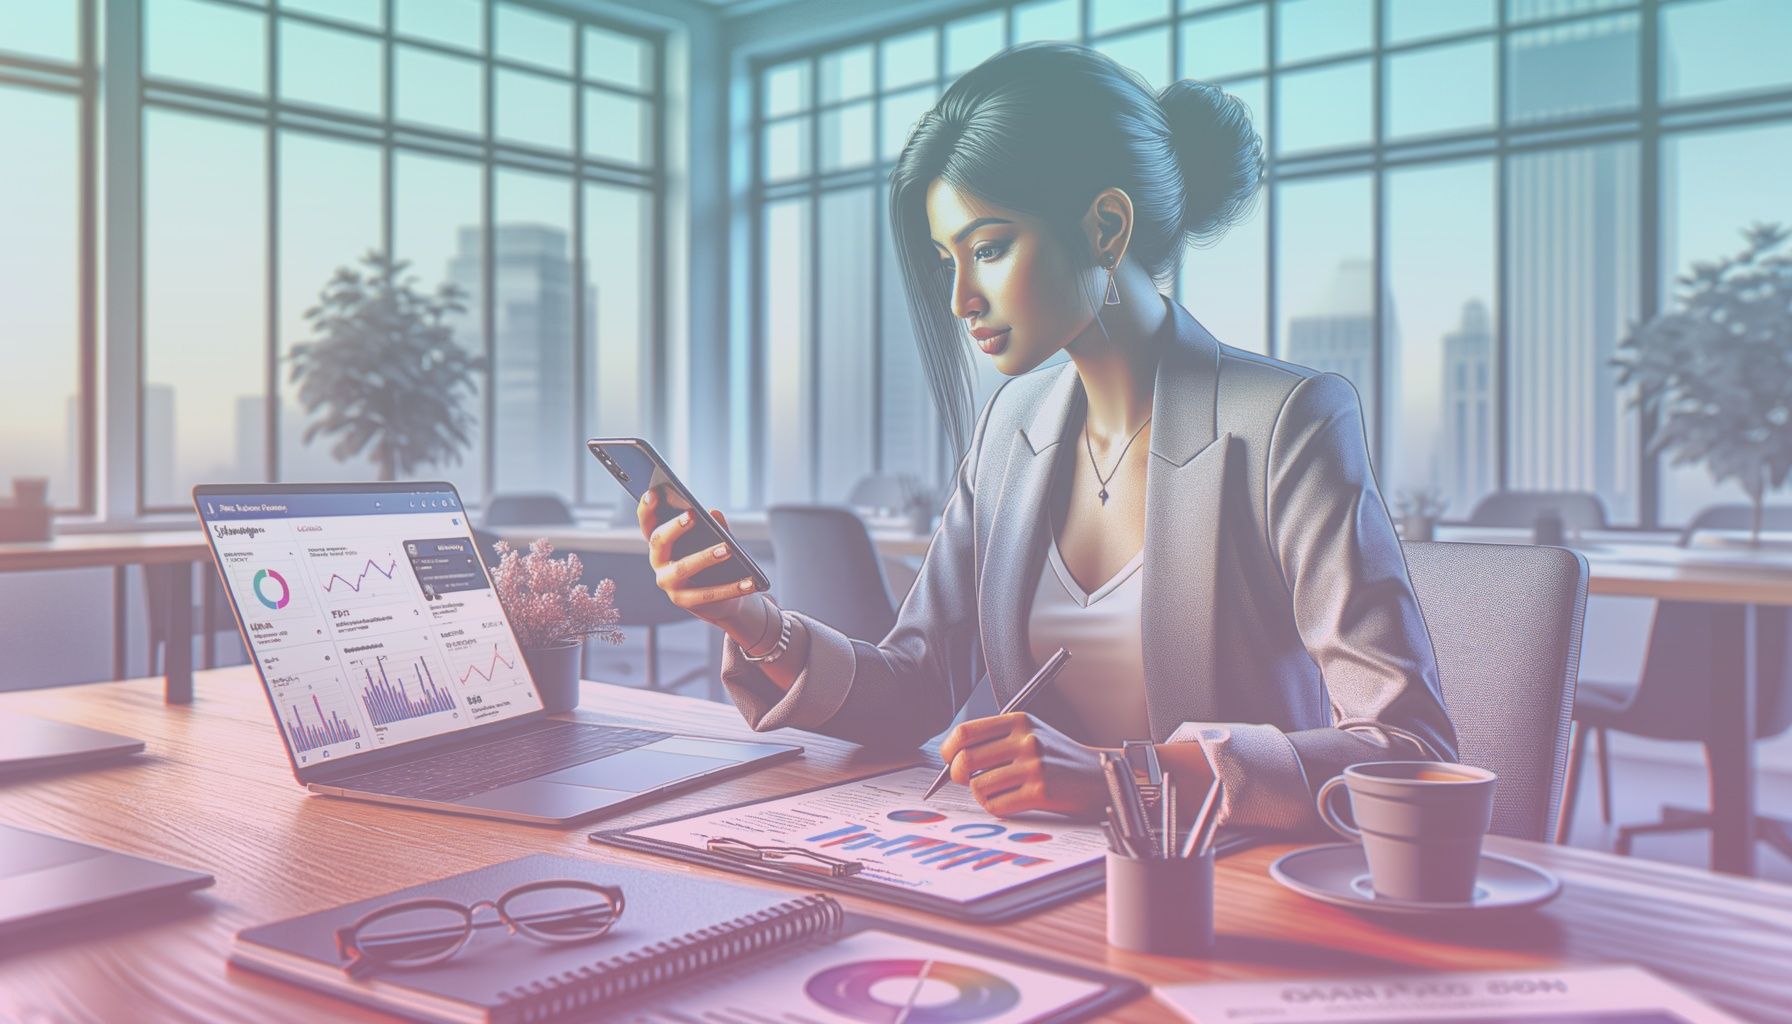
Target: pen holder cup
{"points": [[1161, 904]]}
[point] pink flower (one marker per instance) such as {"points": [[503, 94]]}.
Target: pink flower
{"points": [[546, 602]]}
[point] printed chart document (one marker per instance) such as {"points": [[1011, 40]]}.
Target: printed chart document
{"points": [[1597, 995], [874, 976], [947, 846]]}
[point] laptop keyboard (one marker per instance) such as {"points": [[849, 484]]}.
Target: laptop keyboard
{"points": [[456, 774]]}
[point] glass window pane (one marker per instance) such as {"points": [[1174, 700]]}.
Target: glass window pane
{"points": [[328, 68], [1147, 53], [845, 136], [1715, 184], [533, 110], [786, 88], [1223, 285], [1571, 272], [844, 339], [458, 23], [44, 28], [1531, 10], [1438, 334], [1325, 108], [531, 37], [318, 173], [1723, 46], [439, 91], [846, 74], [900, 113], [1579, 69], [356, 12], [535, 433], [1325, 281], [908, 59], [205, 44], [618, 324], [1307, 29], [970, 41], [786, 153], [204, 303], [785, 335], [909, 428], [1046, 20], [40, 425], [618, 59], [435, 228], [615, 127], [1442, 89], [1110, 15], [1408, 20], [1224, 44], [1255, 96]]}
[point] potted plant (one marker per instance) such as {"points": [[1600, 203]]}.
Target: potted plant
{"points": [[1419, 512], [382, 374], [553, 614], [1715, 371]]}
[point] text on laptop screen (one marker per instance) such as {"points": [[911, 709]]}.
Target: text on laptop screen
{"points": [[370, 615]]}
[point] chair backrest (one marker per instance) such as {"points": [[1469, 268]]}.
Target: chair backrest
{"points": [[528, 510], [1777, 518], [1579, 510], [1505, 623], [829, 569], [639, 599]]}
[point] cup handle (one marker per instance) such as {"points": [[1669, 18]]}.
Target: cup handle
{"points": [[1330, 817]]}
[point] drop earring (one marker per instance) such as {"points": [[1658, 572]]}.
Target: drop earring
{"points": [[1113, 296]]}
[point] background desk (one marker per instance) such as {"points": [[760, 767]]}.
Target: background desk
{"points": [[214, 792]]}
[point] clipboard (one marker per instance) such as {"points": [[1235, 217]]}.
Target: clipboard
{"points": [[1006, 905]]}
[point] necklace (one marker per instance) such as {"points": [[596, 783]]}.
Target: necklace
{"points": [[1091, 450]]}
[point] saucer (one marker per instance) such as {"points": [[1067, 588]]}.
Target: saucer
{"points": [[1339, 874]]}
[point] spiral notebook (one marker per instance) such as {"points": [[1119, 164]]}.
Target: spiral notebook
{"points": [[686, 947]]}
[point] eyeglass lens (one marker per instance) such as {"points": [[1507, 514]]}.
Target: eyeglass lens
{"points": [[561, 913], [413, 935]]}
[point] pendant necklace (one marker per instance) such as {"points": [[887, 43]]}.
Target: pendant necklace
{"points": [[1117, 462]]}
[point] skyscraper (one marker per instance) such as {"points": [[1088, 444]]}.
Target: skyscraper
{"points": [[1467, 472], [1339, 336]]}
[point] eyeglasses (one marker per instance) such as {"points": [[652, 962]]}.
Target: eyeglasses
{"points": [[416, 933]]}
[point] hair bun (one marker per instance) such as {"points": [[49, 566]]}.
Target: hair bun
{"points": [[1220, 153]]}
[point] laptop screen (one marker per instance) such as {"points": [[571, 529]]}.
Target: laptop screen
{"points": [[368, 612]]}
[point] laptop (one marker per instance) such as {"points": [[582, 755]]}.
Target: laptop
{"points": [[44, 879], [39, 744], [394, 674]]}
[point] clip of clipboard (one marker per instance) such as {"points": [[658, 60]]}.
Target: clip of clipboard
{"points": [[789, 858]]}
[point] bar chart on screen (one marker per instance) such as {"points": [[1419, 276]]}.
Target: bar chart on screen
{"points": [[397, 686]]}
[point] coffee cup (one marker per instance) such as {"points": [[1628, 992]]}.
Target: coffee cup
{"points": [[1420, 823]]}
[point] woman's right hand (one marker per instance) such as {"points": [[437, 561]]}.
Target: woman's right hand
{"points": [[732, 606]]}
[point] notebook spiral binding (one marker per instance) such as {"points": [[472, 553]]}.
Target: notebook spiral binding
{"points": [[594, 985]]}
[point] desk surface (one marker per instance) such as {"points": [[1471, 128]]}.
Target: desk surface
{"points": [[214, 792], [87, 550]]}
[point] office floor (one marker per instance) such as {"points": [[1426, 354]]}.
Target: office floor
{"points": [[1638, 786]]}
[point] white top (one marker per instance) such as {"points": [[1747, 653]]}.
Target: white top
{"points": [[1104, 681]]}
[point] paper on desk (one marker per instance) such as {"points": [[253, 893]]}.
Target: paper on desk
{"points": [[1594, 995], [871, 976], [947, 846]]}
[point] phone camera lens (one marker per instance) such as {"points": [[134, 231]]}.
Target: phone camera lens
{"points": [[622, 476]]}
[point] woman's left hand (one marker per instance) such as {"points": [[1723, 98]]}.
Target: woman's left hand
{"points": [[1025, 765]]}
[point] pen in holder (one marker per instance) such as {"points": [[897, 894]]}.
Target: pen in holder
{"points": [[1159, 877]]}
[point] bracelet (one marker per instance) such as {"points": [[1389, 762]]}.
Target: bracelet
{"points": [[782, 645]]}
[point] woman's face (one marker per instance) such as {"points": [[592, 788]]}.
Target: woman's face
{"points": [[1020, 295]]}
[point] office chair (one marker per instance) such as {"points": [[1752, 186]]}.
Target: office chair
{"points": [[1579, 510], [1667, 702], [528, 510], [643, 605], [1505, 623], [829, 569]]}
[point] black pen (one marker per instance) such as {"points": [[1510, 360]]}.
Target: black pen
{"points": [[1018, 702]]}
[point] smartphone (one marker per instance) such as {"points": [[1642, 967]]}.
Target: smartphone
{"points": [[638, 468]]}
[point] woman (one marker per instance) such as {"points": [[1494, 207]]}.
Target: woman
{"points": [[1197, 524]]}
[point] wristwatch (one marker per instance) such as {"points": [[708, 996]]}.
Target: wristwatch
{"points": [[1141, 757]]}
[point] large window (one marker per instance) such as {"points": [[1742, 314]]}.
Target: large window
{"points": [[510, 148], [1470, 203]]}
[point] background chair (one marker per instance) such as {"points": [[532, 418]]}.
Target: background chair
{"points": [[1505, 623], [528, 510], [1671, 700], [882, 491], [828, 568], [1579, 510]]}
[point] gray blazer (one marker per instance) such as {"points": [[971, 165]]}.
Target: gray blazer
{"points": [[1280, 629]]}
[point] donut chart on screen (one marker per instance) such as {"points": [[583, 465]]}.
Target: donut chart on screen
{"points": [[916, 817], [846, 989]]}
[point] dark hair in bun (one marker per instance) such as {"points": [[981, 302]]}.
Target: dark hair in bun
{"points": [[1042, 129]]}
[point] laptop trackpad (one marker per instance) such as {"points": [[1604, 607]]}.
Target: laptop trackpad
{"points": [[637, 770]]}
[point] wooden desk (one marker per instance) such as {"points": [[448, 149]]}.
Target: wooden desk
{"points": [[117, 550], [214, 792]]}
